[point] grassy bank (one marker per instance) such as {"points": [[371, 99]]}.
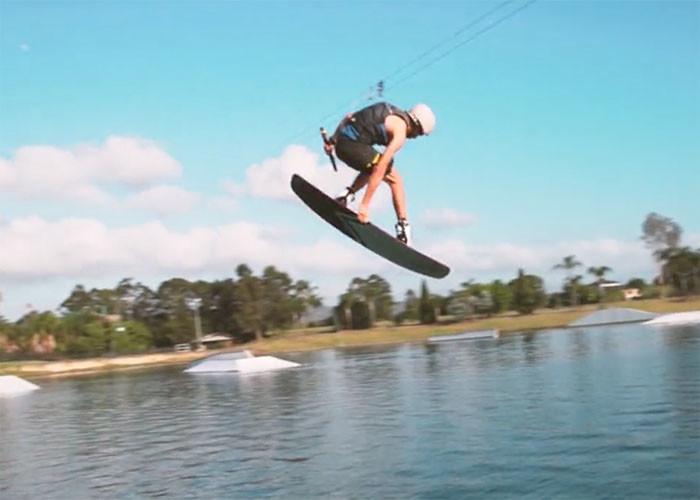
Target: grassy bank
{"points": [[540, 320], [304, 340]]}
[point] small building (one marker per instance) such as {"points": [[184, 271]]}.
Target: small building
{"points": [[632, 293], [215, 341]]}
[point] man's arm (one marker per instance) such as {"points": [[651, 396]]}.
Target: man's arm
{"points": [[396, 128]]}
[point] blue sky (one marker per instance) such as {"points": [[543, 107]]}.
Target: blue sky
{"points": [[156, 139]]}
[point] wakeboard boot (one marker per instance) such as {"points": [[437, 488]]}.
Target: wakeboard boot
{"points": [[403, 232], [345, 197]]}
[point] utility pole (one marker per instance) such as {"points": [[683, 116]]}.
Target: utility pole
{"points": [[194, 304]]}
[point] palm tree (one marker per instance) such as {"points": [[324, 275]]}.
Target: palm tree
{"points": [[568, 264], [599, 273]]}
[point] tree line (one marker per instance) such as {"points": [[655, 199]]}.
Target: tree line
{"points": [[132, 318]]}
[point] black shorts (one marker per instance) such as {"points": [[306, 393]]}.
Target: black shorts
{"points": [[362, 157]]}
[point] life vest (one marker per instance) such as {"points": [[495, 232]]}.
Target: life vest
{"points": [[367, 125]]}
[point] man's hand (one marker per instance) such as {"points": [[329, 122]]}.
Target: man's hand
{"points": [[363, 214], [328, 148]]}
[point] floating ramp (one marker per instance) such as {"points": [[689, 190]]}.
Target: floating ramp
{"points": [[478, 335], [239, 362], [683, 318], [15, 386], [612, 316]]}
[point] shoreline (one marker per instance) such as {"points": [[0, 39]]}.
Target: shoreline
{"points": [[307, 340]]}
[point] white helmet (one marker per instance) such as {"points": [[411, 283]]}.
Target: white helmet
{"points": [[424, 117]]}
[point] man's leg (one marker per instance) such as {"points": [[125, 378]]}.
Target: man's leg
{"points": [[359, 182], [398, 195], [348, 194], [357, 156]]}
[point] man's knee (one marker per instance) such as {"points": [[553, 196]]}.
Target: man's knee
{"points": [[393, 177]]}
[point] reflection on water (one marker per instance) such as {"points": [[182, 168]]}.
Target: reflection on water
{"points": [[595, 412]]}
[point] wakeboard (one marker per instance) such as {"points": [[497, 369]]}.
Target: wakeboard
{"points": [[368, 235]]}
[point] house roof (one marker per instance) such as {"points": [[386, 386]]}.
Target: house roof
{"points": [[608, 283], [215, 337]]}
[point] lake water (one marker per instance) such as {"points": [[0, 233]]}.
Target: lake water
{"points": [[609, 412]]}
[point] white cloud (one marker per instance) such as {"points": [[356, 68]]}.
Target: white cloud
{"points": [[446, 218], [163, 200], [132, 161], [233, 188], [626, 258], [692, 240], [47, 172], [38, 172], [270, 178], [34, 248], [36, 252], [223, 204]]}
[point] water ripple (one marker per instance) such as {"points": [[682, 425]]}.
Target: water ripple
{"points": [[598, 413]]}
